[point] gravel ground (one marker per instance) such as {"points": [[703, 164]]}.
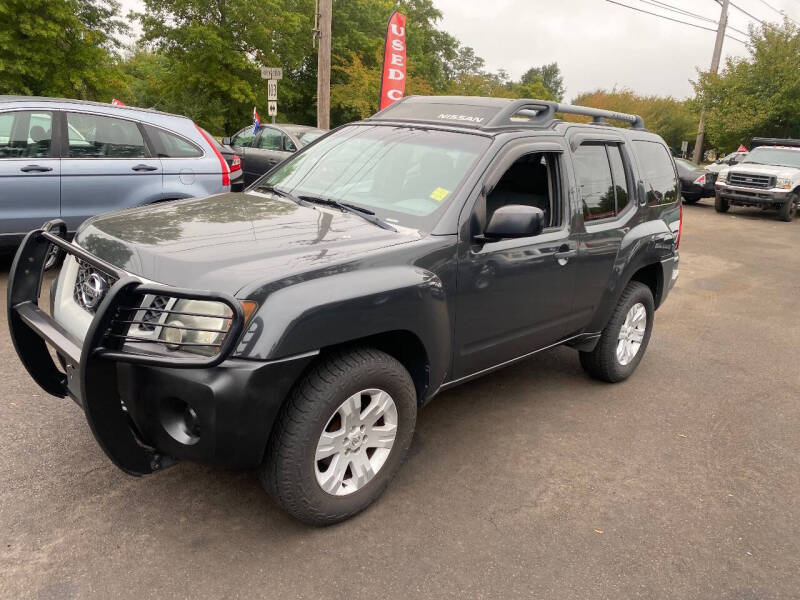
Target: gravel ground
{"points": [[533, 482]]}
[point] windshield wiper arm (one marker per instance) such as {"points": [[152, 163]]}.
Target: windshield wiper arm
{"points": [[364, 213], [284, 194]]}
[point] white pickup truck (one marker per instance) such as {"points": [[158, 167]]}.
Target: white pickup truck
{"points": [[768, 177]]}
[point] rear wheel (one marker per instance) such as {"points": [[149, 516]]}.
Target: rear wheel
{"points": [[690, 199], [789, 208], [625, 337], [721, 204], [341, 436]]}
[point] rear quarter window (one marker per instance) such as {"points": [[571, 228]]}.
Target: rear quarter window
{"points": [[661, 182], [170, 145]]}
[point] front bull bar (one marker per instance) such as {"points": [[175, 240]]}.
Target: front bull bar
{"points": [[91, 373]]}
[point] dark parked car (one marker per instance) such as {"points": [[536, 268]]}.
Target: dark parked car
{"points": [[262, 150], [696, 182], [298, 327]]}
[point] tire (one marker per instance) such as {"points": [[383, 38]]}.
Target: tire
{"points": [[789, 208], [721, 205], [691, 199], [604, 361], [320, 403]]}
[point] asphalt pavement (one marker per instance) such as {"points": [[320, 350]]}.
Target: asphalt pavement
{"points": [[533, 482]]}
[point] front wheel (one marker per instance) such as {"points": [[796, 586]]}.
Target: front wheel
{"points": [[624, 339], [341, 436], [789, 208], [721, 204]]}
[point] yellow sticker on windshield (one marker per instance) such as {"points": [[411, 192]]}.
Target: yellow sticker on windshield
{"points": [[439, 194]]}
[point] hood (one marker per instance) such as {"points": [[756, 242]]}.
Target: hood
{"points": [[764, 170], [224, 242]]}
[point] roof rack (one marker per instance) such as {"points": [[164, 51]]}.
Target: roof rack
{"points": [[544, 111], [494, 113], [764, 141]]}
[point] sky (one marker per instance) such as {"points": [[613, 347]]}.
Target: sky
{"points": [[596, 43]]}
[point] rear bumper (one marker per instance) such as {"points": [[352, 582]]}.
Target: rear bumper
{"points": [[146, 410], [692, 190]]}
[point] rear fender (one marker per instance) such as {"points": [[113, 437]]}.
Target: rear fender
{"points": [[644, 245], [337, 309]]}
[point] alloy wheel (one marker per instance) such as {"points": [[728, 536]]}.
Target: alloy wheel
{"points": [[631, 334], [356, 442]]}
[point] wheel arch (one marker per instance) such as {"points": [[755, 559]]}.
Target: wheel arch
{"points": [[403, 345]]}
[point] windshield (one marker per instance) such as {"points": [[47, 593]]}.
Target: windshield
{"points": [[406, 176], [779, 157]]}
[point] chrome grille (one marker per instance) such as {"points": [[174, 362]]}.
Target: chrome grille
{"points": [[91, 286], [763, 182]]}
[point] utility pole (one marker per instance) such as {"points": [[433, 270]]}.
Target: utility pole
{"points": [[325, 15], [701, 128]]}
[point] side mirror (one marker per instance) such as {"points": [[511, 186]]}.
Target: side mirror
{"points": [[226, 141], [514, 221]]}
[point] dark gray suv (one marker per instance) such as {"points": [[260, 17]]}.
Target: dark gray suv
{"points": [[297, 327]]}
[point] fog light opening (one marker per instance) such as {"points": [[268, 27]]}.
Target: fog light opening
{"points": [[180, 421]]}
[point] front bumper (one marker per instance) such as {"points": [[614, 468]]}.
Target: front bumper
{"points": [[137, 403], [752, 196]]}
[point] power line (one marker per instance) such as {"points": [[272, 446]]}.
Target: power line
{"points": [[674, 20], [755, 18], [665, 6], [780, 12]]}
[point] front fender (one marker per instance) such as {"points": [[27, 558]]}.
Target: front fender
{"points": [[340, 308], [644, 246]]}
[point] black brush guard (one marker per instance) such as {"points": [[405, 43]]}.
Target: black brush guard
{"points": [[91, 372]]}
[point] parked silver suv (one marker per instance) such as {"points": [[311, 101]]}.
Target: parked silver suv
{"points": [[71, 160]]}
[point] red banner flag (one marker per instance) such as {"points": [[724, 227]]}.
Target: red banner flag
{"points": [[393, 82], [742, 148], [116, 102]]}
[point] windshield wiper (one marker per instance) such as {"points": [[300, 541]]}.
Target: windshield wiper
{"points": [[283, 193], [365, 213]]}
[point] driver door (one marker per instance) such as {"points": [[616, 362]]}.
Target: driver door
{"points": [[515, 296]]}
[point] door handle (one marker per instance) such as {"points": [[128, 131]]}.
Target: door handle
{"points": [[564, 254], [144, 168], [35, 169]]}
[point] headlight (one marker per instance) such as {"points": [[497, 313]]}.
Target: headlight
{"points": [[722, 177], [196, 326], [785, 183]]}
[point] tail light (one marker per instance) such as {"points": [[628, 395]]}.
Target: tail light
{"points": [[701, 180], [680, 227], [226, 173], [236, 164]]}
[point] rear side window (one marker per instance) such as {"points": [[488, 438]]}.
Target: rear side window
{"points": [[594, 179], [169, 145], [25, 134], [620, 179], [600, 169], [659, 174], [270, 139], [96, 136]]}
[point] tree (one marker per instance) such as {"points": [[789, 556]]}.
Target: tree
{"points": [[550, 76], [755, 96], [674, 120], [214, 48], [60, 48]]}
